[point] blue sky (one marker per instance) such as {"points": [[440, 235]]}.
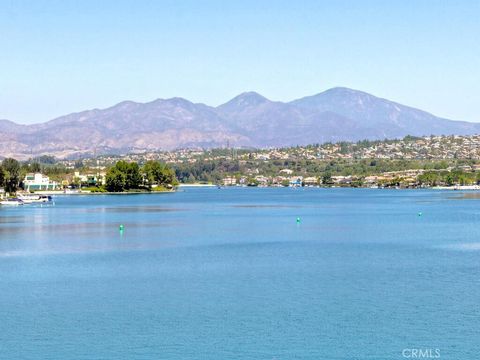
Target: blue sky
{"points": [[59, 57]]}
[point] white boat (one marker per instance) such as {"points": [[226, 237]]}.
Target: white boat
{"points": [[71, 191], [11, 202], [29, 199]]}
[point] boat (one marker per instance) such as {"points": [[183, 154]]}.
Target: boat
{"points": [[11, 202], [71, 191], [29, 199]]}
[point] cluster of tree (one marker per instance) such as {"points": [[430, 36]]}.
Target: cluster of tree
{"points": [[125, 176], [207, 171], [45, 160], [448, 178], [215, 170], [10, 175]]}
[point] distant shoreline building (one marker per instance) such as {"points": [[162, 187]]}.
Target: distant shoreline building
{"points": [[90, 179], [37, 181], [229, 181]]}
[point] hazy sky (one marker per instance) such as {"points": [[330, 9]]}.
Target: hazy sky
{"points": [[58, 57]]}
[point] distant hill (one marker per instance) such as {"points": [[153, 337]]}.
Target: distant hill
{"points": [[248, 120]]}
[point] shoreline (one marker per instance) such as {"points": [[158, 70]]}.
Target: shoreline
{"points": [[197, 185], [183, 186], [101, 193]]}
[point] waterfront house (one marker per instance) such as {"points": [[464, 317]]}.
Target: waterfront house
{"points": [[38, 181], [310, 181], [369, 180], [90, 179], [296, 181], [342, 180], [229, 181], [280, 180], [262, 180]]}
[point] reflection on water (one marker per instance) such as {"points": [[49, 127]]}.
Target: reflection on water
{"points": [[130, 209], [11, 219], [260, 206], [474, 246], [37, 237], [465, 196], [88, 224], [205, 217]]}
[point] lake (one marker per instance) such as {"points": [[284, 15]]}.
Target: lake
{"points": [[209, 273]]}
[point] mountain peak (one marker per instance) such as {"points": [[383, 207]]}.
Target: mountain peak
{"points": [[174, 101], [125, 105], [341, 89], [343, 92], [251, 94], [245, 99], [337, 97]]}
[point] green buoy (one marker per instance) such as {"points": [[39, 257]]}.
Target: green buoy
{"points": [[298, 220], [121, 227], [420, 213]]}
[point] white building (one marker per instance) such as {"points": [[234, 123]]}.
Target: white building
{"points": [[229, 181], [262, 180], [90, 179], [311, 180], [38, 181], [286, 171]]}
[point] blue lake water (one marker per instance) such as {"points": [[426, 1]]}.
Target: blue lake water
{"points": [[210, 273]]}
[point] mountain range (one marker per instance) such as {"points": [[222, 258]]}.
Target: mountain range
{"points": [[248, 120]]}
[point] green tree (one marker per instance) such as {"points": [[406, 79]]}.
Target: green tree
{"points": [[115, 180], [78, 164], [158, 173], [430, 178], [35, 167], [46, 159], [358, 182], [252, 182], [133, 178], [11, 168], [452, 178], [2, 177], [123, 176], [327, 178], [153, 171]]}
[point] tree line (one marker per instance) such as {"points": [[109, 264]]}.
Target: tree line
{"points": [[215, 170], [449, 178]]}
